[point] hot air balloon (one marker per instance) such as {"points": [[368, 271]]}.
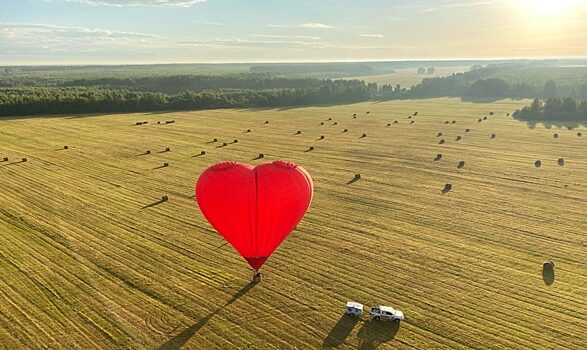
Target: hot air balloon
{"points": [[254, 207]]}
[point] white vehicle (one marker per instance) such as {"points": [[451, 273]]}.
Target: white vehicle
{"points": [[353, 309], [386, 313]]}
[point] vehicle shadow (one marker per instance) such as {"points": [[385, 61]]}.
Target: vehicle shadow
{"points": [[179, 340], [375, 333], [340, 332]]}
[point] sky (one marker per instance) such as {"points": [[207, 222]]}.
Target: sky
{"points": [[217, 31]]}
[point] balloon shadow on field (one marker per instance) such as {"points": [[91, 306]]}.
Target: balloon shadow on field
{"points": [[179, 340], [340, 332], [161, 201], [375, 333], [548, 275], [353, 180]]}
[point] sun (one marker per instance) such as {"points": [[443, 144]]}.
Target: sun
{"points": [[549, 7]]}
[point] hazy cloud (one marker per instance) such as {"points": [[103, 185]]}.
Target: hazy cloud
{"points": [[304, 25], [372, 35], [306, 37], [209, 23], [123, 3]]}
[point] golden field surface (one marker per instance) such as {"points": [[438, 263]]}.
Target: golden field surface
{"points": [[90, 259], [408, 77]]}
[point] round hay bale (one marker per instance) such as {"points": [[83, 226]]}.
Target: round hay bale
{"points": [[65, 147], [164, 198], [354, 117], [368, 112], [354, 114], [569, 128], [329, 119], [364, 135], [148, 151], [507, 114], [298, 132], [467, 130], [215, 140], [458, 138], [446, 122], [447, 188], [248, 130], [548, 265], [24, 160], [438, 157], [493, 136], [335, 123], [579, 134], [491, 113], [357, 176], [267, 122], [321, 123], [439, 134], [454, 122], [479, 120], [409, 117], [261, 155], [461, 164], [158, 122], [345, 130], [484, 118], [165, 164], [395, 121], [538, 164], [555, 136], [415, 114], [561, 161], [412, 122], [5, 159], [441, 142], [139, 123], [322, 137], [311, 148], [235, 141], [167, 149], [145, 123], [224, 144], [388, 124], [202, 152]]}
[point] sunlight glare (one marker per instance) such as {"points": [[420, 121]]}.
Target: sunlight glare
{"points": [[549, 7]]}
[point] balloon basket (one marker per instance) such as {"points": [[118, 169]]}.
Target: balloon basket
{"points": [[256, 276]]}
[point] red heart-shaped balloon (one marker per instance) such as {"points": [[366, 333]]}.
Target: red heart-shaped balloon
{"points": [[254, 208]]}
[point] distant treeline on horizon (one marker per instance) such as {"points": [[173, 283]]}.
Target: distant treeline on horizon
{"points": [[28, 93]]}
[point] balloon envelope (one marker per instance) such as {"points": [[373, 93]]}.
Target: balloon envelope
{"points": [[254, 208]]}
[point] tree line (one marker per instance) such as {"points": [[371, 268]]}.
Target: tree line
{"points": [[554, 109]]}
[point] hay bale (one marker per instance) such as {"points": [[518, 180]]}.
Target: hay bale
{"points": [[555, 136], [357, 176], [158, 122], [298, 132], [5, 159], [454, 122], [164, 198], [569, 128], [441, 142], [461, 164], [447, 122], [354, 117], [267, 122], [491, 113], [65, 147], [458, 138], [484, 118], [415, 114], [368, 112], [321, 123], [215, 140], [248, 130], [345, 130], [388, 124], [479, 120], [561, 161], [322, 137], [235, 141], [354, 114], [144, 123], [395, 121], [412, 122], [364, 135], [167, 149], [329, 119], [447, 188], [224, 144], [538, 164], [493, 136], [24, 160], [548, 265], [409, 117], [579, 134], [467, 130], [165, 164], [439, 134], [148, 151], [261, 155], [139, 123], [202, 153], [438, 157], [508, 114], [311, 148], [335, 123]]}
